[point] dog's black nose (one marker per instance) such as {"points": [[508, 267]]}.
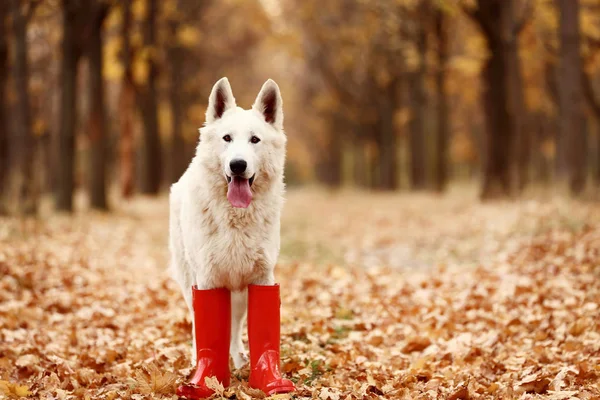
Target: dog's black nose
{"points": [[238, 166]]}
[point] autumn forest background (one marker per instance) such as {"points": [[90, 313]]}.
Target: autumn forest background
{"points": [[105, 97], [441, 233]]}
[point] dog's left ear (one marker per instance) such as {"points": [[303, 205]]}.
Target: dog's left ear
{"points": [[269, 104]]}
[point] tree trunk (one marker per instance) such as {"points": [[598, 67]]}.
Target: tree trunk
{"points": [[560, 156], [388, 149], [178, 159], [152, 165], [597, 164], [516, 101], [374, 164], [126, 107], [4, 133], [572, 130], [497, 26], [418, 154], [541, 170], [593, 101], [23, 140], [499, 135], [360, 165], [97, 115], [330, 162], [68, 113], [443, 120]]}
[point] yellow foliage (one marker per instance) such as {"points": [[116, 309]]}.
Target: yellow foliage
{"points": [[196, 112], [534, 98], [39, 127], [188, 36], [401, 117], [140, 70], [169, 9], [449, 7], [467, 66], [112, 69], [462, 148], [138, 9], [382, 76], [590, 24], [546, 15], [136, 39], [114, 18], [592, 63], [324, 102], [548, 148], [475, 47], [140, 64], [411, 58], [165, 118]]}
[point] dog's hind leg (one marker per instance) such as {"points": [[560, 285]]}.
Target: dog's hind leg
{"points": [[239, 308]]}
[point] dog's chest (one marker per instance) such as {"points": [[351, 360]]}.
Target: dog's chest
{"points": [[237, 250]]}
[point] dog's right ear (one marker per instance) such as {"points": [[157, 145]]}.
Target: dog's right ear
{"points": [[220, 100]]}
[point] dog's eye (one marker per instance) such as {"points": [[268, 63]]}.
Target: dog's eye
{"points": [[227, 138], [254, 139]]}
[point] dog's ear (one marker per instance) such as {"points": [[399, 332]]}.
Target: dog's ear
{"points": [[269, 104], [220, 100]]}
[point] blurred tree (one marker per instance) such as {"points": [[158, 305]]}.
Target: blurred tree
{"points": [[517, 20], [97, 11], [335, 74], [502, 95], [71, 53], [393, 88], [22, 139], [570, 94], [180, 19], [147, 99], [355, 47], [386, 65], [593, 100], [4, 133], [127, 105], [443, 121], [591, 95], [175, 53], [550, 125], [418, 95], [388, 148]]}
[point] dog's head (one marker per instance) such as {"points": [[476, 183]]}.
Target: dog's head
{"points": [[245, 147]]}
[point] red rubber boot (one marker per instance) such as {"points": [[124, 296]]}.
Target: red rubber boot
{"points": [[212, 322], [263, 337]]}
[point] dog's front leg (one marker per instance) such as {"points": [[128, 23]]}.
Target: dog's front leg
{"points": [[239, 307], [196, 272], [267, 278]]}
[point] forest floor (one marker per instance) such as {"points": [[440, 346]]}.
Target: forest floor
{"points": [[403, 296]]}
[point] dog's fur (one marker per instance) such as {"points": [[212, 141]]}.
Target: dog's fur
{"points": [[213, 244]]}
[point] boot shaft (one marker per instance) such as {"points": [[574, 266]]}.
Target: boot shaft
{"points": [[263, 320], [263, 334], [212, 328]]}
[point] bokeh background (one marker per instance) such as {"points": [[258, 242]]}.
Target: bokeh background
{"points": [[102, 98], [397, 280]]}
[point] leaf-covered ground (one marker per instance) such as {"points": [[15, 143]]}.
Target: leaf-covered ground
{"points": [[384, 296]]}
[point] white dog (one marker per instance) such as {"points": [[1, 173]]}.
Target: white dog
{"points": [[225, 209]]}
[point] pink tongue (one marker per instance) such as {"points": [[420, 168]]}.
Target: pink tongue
{"points": [[238, 193]]}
